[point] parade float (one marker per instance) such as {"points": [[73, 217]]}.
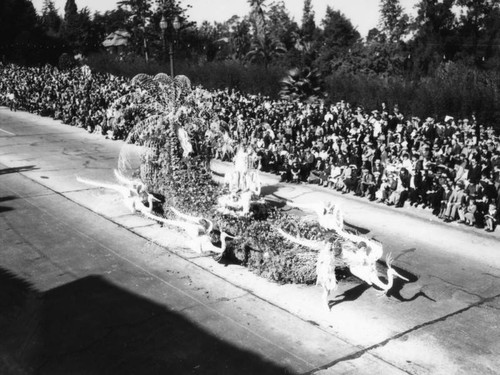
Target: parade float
{"points": [[162, 159]]}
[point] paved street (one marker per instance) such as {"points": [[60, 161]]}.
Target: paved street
{"points": [[87, 288]]}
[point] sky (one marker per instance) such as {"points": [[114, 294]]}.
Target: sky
{"points": [[362, 13]]}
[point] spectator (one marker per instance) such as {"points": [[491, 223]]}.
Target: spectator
{"points": [[456, 200], [491, 218]]}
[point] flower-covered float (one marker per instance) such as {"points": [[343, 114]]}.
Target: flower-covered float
{"points": [[167, 156]]}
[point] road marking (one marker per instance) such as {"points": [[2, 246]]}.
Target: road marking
{"points": [[5, 131]]}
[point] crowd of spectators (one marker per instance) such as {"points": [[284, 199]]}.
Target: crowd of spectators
{"points": [[77, 97], [450, 166]]}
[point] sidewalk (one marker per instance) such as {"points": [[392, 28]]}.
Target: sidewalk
{"points": [[448, 267]]}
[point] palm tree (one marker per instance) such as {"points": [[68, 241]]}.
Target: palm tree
{"points": [[301, 84], [258, 16], [265, 50]]}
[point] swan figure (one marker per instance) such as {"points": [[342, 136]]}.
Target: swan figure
{"points": [[330, 215], [391, 274], [360, 259], [134, 184], [198, 220], [199, 232], [132, 198]]}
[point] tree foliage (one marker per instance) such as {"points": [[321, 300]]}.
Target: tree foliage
{"points": [[308, 27], [337, 38], [394, 23], [50, 19]]}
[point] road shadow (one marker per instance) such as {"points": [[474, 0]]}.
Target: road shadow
{"points": [[398, 283], [5, 209], [8, 198], [26, 168], [91, 326], [268, 193], [349, 295], [357, 229], [354, 293], [268, 190]]}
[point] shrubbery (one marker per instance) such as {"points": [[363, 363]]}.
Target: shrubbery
{"points": [[264, 251], [454, 89], [224, 74]]}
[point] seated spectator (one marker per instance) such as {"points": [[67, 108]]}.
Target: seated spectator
{"points": [[317, 173], [335, 180], [490, 218], [456, 199], [295, 172], [350, 179], [444, 198], [467, 212], [366, 183]]}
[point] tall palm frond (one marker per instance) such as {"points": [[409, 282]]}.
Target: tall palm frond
{"points": [[265, 50], [301, 84]]}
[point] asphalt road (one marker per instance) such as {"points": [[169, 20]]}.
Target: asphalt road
{"points": [[87, 288]]}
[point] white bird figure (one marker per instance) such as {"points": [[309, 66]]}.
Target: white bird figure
{"points": [[325, 264], [130, 196], [362, 264], [135, 184], [206, 224], [391, 273], [209, 246], [200, 242], [374, 248], [330, 215], [198, 230], [142, 208], [358, 257]]}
